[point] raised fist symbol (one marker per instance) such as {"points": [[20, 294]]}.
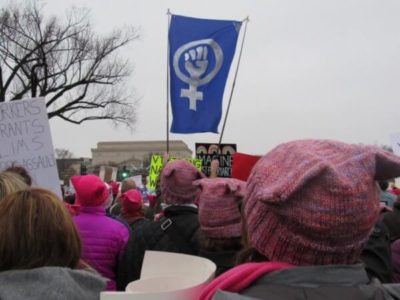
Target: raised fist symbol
{"points": [[196, 62]]}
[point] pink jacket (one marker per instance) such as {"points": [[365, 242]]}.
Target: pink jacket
{"points": [[103, 240]]}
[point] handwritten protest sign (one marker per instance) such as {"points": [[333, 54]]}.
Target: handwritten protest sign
{"points": [[156, 165], [25, 140], [224, 153]]}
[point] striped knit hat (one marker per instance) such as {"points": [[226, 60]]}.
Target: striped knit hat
{"points": [[315, 202], [176, 182], [219, 201]]}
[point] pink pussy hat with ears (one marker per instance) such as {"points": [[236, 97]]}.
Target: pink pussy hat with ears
{"points": [[219, 202], [132, 201], [90, 189], [176, 182], [315, 202]]}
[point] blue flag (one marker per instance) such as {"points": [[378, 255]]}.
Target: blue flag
{"points": [[201, 53]]}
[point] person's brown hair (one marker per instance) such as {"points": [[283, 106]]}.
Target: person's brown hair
{"points": [[21, 171], [10, 183], [36, 231], [127, 184], [219, 244]]}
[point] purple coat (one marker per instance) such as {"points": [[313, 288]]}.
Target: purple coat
{"points": [[103, 240]]}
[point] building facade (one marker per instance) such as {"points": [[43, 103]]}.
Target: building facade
{"points": [[137, 153]]}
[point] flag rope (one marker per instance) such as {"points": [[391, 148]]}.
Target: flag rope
{"points": [[246, 20]]}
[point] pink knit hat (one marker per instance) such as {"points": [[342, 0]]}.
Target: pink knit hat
{"points": [[115, 187], [132, 201], [90, 189], [219, 201], [315, 202], [176, 182]]}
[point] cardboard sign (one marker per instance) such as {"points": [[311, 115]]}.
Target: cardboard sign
{"points": [[224, 153], [25, 140], [156, 164], [168, 276]]}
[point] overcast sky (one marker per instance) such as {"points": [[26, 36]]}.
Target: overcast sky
{"points": [[310, 69]]}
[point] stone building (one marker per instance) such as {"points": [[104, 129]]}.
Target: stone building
{"points": [[137, 153]]}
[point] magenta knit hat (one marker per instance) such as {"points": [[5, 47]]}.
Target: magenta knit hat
{"points": [[219, 201], [132, 201], [90, 189], [176, 182], [315, 202]]}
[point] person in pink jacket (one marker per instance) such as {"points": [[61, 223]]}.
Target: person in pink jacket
{"points": [[104, 239]]}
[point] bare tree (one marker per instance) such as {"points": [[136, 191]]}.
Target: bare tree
{"points": [[81, 73]]}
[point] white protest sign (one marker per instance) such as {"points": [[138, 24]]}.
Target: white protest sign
{"points": [[138, 180], [168, 276], [395, 141], [25, 140]]}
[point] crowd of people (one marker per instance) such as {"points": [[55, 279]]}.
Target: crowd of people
{"points": [[315, 219]]}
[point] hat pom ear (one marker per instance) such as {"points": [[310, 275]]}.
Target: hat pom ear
{"points": [[235, 188], [167, 172], [198, 184], [387, 165]]}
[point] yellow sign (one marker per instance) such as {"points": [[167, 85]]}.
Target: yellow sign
{"points": [[156, 165]]}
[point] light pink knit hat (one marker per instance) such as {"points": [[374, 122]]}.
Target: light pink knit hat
{"points": [[315, 202], [176, 182], [219, 201]]}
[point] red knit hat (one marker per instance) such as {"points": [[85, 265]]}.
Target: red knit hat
{"points": [[176, 182], [219, 201], [315, 202], [115, 187], [90, 189], [132, 201]]}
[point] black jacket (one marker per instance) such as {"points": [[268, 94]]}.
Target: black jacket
{"points": [[224, 260], [392, 222], [377, 256], [175, 232]]}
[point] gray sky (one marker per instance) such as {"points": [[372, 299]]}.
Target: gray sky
{"points": [[310, 69]]}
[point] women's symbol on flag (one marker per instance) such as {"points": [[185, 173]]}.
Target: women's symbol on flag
{"points": [[201, 53]]}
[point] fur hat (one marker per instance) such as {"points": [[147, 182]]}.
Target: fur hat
{"points": [[219, 201], [315, 202], [90, 190], [176, 182]]}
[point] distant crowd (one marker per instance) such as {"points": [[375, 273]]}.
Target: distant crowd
{"points": [[315, 219]]}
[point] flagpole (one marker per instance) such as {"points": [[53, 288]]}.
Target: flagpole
{"points": [[168, 93], [234, 80]]}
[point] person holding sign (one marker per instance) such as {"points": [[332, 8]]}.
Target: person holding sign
{"points": [[40, 251]]}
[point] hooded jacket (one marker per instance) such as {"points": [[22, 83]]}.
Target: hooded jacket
{"points": [[50, 283], [104, 240]]}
